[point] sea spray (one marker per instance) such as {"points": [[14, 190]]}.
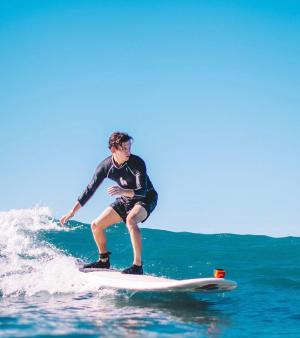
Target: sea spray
{"points": [[29, 265]]}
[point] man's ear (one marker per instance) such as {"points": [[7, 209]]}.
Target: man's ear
{"points": [[113, 149]]}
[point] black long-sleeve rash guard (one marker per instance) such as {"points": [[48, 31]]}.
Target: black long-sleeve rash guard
{"points": [[132, 174]]}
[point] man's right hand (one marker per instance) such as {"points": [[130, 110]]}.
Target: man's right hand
{"points": [[66, 217]]}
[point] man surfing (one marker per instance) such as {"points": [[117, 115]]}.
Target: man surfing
{"points": [[137, 200]]}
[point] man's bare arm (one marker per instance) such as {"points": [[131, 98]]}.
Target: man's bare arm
{"points": [[70, 214]]}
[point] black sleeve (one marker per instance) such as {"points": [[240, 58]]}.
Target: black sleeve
{"points": [[141, 179], [97, 179]]}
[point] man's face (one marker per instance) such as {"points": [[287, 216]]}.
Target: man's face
{"points": [[124, 151]]}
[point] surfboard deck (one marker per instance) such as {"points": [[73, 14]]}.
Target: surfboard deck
{"points": [[110, 278]]}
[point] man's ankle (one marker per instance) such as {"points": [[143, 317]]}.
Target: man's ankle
{"points": [[104, 256]]}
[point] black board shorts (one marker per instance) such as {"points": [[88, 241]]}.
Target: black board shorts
{"points": [[123, 207]]}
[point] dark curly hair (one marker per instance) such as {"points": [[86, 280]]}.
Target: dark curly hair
{"points": [[117, 138]]}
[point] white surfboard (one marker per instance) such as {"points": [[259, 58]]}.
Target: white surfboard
{"points": [[116, 280]]}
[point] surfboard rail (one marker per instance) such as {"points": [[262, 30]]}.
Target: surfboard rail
{"points": [[115, 279]]}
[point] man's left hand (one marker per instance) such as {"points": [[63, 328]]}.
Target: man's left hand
{"points": [[115, 190]]}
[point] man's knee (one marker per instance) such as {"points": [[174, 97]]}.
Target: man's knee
{"points": [[96, 225], [132, 223]]}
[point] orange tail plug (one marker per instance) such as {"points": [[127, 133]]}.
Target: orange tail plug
{"points": [[219, 273]]}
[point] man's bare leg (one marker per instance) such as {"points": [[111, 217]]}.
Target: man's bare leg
{"points": [[135, 216], [108, 217]]}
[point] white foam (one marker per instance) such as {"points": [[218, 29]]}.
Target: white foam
{"points": [[28, 266]]}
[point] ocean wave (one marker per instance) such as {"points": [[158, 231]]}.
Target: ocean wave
{"points": [[29, 265]]}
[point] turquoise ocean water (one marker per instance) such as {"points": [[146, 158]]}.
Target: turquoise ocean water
{"points": [[43, 294]]}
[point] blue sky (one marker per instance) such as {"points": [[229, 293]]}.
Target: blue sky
{"points": [[208, 89]]}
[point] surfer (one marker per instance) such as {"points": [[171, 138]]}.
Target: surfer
{"points": [[137, 200]]}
